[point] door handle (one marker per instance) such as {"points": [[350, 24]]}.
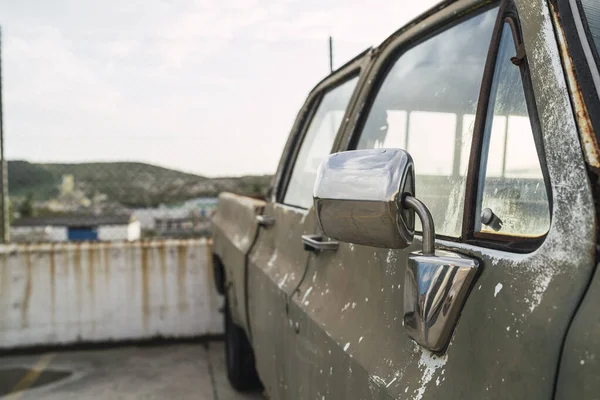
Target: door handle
{"points": [[315, 243], [265, 220]]}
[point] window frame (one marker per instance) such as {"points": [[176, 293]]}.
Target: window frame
{"points": [[515, 243], [430, 24], [584, 57], [397, 45], [354, 68], [587, 35]]}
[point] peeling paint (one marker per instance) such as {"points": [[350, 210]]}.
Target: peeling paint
{"points": [[429, 363], [272, 260], [282, 282], [497, 289], [589, 142], [377, 380], [306, 294]]}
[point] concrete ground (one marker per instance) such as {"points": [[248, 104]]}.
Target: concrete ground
{"points": [[173, 371]]}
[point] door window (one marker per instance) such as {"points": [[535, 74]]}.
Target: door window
{"points": [[426, 105], [317, 144], [512, 198]]}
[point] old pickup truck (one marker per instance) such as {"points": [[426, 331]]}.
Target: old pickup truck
{"points": [[431, 231]]}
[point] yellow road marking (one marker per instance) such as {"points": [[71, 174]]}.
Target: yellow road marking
{"points": [[30, 377]]}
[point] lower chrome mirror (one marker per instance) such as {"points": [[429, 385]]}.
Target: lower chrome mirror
{"points": [[435, 288]]}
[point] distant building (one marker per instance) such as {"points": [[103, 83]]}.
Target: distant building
{"points": [[204, 207], [76, 228], [68, 185], [181, 227], [167, 225]]}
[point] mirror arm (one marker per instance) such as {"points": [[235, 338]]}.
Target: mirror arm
{"points": [[421, 210]]}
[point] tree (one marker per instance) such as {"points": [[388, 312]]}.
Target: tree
{"points": [[26, 207]]}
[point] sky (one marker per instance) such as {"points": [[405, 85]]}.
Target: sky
{"points": [[210, 87]]}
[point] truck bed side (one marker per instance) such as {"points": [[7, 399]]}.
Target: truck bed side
{"points": [[234, 231]]}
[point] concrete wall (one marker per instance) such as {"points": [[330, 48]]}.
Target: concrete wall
{"points": [[64, 293]]}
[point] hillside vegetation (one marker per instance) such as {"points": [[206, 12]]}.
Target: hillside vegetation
{"points": [[129, 184]]}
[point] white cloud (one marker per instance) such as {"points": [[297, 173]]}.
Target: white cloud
{"points": [[47, 74], [208, 86]]}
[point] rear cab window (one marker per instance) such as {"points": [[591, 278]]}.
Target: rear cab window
{"points": [[317, 143]]}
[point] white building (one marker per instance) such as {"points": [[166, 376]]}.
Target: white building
{"points": [[201, 206], [76, 228]]}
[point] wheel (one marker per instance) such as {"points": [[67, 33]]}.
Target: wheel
{"points": [[239, 357], [218, 274]]}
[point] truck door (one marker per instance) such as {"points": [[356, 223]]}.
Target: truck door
{"points": [[278, 261], [476, 94]]}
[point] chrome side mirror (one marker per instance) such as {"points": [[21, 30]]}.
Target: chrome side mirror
{"points": [[367, 197]]}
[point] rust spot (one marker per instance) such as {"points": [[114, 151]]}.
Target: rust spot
{"points": [[589, 142], [65, 263], [92, 283], [131, 267], [78, 281], [181, 276], [53, 284], [162, 253], [5, 288], [210, 278], [145, 286], [91, 267], [106, 256], [28, 288]]}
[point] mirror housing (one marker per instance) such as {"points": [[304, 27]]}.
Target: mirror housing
{"points": [[359, 196]]}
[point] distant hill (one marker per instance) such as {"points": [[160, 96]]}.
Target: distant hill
{"points": [[130, 184]]}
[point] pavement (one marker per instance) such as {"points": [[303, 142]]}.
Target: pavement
{"points": [[174, 371]]}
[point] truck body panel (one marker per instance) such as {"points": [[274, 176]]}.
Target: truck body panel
{"points": [[329, 324], [234, 229]]}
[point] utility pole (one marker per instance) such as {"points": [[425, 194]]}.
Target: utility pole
{"points": [[330, 54], [4, 218]]}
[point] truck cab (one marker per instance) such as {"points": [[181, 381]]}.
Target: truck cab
{"points": [[431, 230]]}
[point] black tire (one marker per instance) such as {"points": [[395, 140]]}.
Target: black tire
{"points": [[239, 357], [218, 274]]}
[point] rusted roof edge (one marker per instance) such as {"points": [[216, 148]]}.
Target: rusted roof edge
{"points": [[587, 134]]}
